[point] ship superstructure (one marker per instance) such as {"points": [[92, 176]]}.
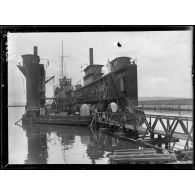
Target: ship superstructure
{"points": [[63, 92], [119, 85], [93, 72], [34, 73]]}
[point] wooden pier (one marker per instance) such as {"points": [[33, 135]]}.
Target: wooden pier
{"points": [[141, 156], [162, 126]]}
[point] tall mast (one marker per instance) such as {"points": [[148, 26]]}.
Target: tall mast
{"points": [[62, 59], [62, 62]]}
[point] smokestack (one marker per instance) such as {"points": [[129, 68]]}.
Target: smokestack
{"points": [[91, 56], [35, 51]]}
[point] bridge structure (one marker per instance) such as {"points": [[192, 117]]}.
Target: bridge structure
{"points": [[161, 128]]}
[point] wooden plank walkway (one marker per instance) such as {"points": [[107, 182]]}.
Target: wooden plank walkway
{"points": [[137, 156]]}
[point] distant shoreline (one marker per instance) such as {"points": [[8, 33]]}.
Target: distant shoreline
{"points": [[180, 102], [167, 107], [16, 105]]}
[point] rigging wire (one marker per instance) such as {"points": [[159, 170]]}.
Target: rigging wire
{"points": [[22, 81]]}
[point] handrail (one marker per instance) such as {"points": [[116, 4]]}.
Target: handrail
{"points": [[148, 115]]}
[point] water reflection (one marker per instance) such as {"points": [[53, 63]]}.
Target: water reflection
{"points": [[49, 144], [101, 142], [37, 145], [65, 144]]}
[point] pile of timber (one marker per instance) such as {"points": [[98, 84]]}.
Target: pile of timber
{"points": [[184, 155], [141, 156]]}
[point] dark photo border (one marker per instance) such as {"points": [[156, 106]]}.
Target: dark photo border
{"points": [[4, 96]]}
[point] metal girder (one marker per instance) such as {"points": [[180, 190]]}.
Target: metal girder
{"points": [[163, 125], [148, 128], [49, 79], [154, 124], [191, 131], [168, 125], [173, 129], [185, 130]]}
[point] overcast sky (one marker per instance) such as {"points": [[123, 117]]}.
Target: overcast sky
{"points": [[164, 58]]}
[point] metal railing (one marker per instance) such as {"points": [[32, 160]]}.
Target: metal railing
{"points": [[137, 121]]}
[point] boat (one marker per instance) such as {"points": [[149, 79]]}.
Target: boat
{"points": [[119, 86], [58, 119]]}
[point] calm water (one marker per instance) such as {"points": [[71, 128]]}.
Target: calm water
{"points": [[50, 144], [41, 144]]}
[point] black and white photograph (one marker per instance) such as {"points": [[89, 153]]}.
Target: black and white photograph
{"points": [[97, 97], [100, 97]]}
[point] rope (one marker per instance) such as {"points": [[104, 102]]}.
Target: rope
{"points": [[93, 119], [16, 123]]}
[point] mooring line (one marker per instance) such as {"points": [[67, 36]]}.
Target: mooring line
{"points": [[16, 123], [93, 120]]}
